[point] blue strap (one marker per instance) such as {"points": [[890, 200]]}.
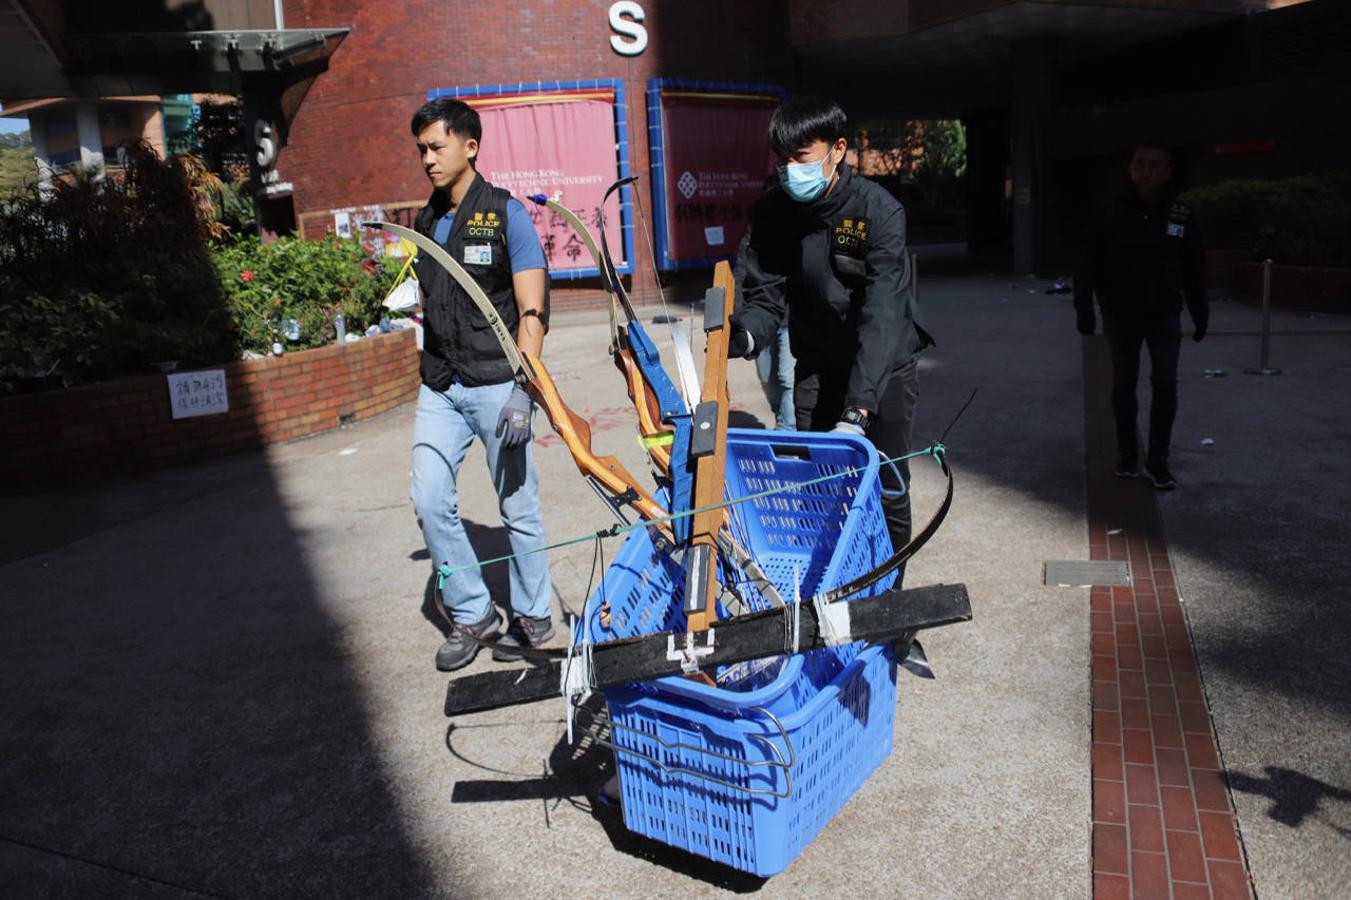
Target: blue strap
{"points": [[675, 414]]}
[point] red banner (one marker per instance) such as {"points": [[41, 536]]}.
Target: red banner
{"points": [[561, 145], [717, 159]]}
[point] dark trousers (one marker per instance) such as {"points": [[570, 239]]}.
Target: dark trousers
{"points": [[819, 400], [1163, 337]]}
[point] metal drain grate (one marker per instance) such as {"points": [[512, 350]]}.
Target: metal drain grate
{"points": [[1086, 573]]}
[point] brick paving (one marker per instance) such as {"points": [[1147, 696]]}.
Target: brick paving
{"points": [[1163, 821]]}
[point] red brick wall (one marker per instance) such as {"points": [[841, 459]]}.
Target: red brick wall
{"points": [[349, 144], [126, 426]]}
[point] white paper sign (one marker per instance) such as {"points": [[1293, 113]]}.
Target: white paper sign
{"points": [[714, 236], [198, 393]]}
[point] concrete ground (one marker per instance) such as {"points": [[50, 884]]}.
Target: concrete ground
{"points": [[1259, 539], [219, 679]]}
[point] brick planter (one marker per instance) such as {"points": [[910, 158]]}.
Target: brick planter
{"points": [[1315, 288], [1222, 268], [126, 426], [1312, 288]]}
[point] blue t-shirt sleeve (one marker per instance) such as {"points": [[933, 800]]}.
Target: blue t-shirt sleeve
{"points": [[443, 226], [522, 241]]}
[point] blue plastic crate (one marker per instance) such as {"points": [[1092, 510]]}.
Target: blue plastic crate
{"points": [[747, 773]]}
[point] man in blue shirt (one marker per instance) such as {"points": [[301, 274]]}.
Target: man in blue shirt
{"points": [[467, 385]]}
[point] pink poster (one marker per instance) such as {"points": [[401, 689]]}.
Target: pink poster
{"points": [[562, 146], [717, 160]]}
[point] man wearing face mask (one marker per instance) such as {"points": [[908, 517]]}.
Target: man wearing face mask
{"points": [[829, 246]]}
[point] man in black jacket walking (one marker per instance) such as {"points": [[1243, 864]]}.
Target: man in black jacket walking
{"points": [[830, 247], [1144, 259]]}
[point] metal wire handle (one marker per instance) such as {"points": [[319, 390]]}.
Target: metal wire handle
{"points": [[604, 719]]}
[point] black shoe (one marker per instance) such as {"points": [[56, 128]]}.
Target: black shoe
{"points": [[524, 632], [1160, 476], [459, 651], [1127, 467]]}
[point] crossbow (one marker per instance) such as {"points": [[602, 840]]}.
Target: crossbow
{"points": [[693, 459], [651, 389]]}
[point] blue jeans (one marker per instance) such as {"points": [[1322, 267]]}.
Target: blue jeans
{"points": [[443, 429], [775, 366]]}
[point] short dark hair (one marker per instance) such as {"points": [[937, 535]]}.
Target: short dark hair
{"points": [[455, 115], [1154, 143], [800, 121]]}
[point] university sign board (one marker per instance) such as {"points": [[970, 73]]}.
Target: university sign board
{"points": [[710, 158], [567, 140]]}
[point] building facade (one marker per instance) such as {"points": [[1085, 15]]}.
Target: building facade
{"points": [[349, 145], [1053, 94]]}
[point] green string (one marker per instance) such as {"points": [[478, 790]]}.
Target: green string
{"points": [[936, 450]]}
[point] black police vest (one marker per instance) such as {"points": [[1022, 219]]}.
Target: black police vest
{"points": [[458, 342]]}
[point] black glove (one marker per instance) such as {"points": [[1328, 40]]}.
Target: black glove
{"points": [[1088, 322], [739, 342], [513, 423], [1199, 333]]}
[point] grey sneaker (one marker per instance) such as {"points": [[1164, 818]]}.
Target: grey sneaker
{"points": [[524, 631], [1127, 467], [459, 651]]}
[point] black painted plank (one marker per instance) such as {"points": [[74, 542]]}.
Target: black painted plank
{"points": [[883, 617]]}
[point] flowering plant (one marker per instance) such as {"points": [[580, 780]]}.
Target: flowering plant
{"points": [[268, 287]]}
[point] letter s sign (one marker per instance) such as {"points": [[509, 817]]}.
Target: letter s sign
{"points": [[627, 28]]}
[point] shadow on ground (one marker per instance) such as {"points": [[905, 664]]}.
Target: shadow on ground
{"points": [[185, 719], [1294, 796], [574, 774]]}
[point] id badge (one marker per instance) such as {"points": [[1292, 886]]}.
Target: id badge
{"points": [[478, 254]]}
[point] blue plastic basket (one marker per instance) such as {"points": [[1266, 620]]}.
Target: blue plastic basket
{"points": [[747, 773]]}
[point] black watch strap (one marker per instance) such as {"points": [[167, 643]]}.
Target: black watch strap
{"points": [[855, 416]]}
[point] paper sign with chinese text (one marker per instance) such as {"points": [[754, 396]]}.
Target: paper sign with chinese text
{"points": [[198, 393]]}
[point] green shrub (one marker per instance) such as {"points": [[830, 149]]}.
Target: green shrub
{"points": [[105, 278], [1304, 221], [268, 285], [100, 279]]}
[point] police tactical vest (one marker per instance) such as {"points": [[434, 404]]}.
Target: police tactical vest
{"points": [[458, 341]]}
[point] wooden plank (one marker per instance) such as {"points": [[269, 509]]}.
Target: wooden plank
{"points": [[884, 617], [710, 470]]}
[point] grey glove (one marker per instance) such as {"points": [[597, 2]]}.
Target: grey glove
{"points": [[849, 428], [513, 423]]}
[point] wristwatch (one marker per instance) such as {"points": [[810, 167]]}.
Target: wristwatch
{"points": [[855, 416]]}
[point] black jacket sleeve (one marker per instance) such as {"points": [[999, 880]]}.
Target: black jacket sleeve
{"points": [[886, 298], [1194, 277], [1088, 275], [762, 287]]}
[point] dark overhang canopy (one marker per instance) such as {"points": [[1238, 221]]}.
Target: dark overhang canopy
{"points": [[968, 61], [101, 65]]}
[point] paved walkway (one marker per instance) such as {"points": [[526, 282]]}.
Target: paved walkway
{"points": [[219, 679]]}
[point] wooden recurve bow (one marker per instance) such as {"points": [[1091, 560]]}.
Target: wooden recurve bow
{"points": [[616, 483]]}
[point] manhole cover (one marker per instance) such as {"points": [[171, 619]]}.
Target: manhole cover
{"points": [[1086, 573]]}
